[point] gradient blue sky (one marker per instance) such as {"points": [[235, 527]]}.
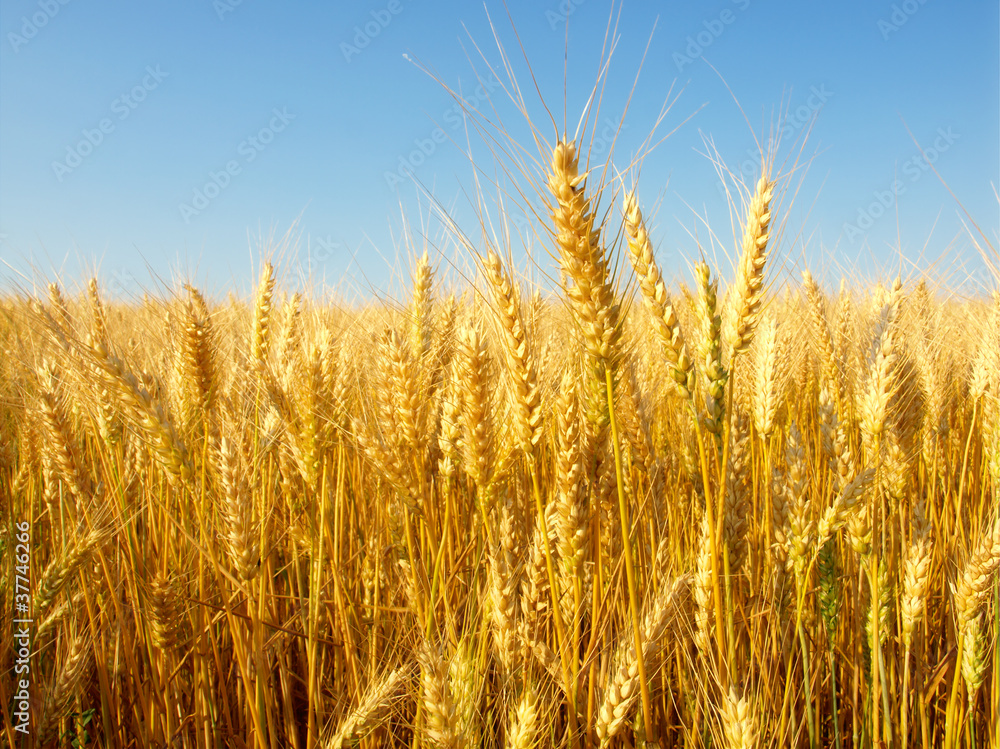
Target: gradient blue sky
{"points": [[211, 75]]}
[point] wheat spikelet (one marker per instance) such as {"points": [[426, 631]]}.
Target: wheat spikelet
{"points": [[450, 432], [261, 337], [73, 670], [99, 327], [737, 501], [61, 449], [61, 569], [383, 439], [828, 593], [465, 686], [535, 595], [780, 511], [932, 375], [526, 400], [159, 431], [403, 383], [290, 345], [738, 724], [710, 352], [442, 726], [881, 383], [58, 335], [974, 658], [504, 580], [916, 576], [797, 529], [654, 294], [983, 375], [198, 361], [421, 322], [370, 712], [446, 325], [165, 607], [704, 615], [59, 615], [523, 724], [310, 429], [634, 421], [823, 339], [977, 579], [845, 348], [770, 357], [828, 428], [847, 503], [394, 439], [478, 447], [622, 690], [748, 292], [582, 257], [859, 530], [58, 301], [881, 606], [571, 520], [242, 535]]}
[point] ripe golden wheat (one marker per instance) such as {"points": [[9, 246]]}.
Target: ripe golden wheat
{"points": [[716, 517]]}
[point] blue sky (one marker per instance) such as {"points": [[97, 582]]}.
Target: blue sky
{"points": [[299, 116]]}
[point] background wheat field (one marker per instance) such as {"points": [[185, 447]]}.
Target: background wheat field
{"points": [[616, 516], [562, 502]]}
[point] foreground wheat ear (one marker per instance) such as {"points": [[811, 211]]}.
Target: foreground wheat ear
{"points": [[504, 516]]}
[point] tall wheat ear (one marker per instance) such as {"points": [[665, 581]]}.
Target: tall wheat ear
{"points": [[372, 709], [622, 691], [520, 364], [73, 670], [738, 724], [971, 593], [655, 297], [442, 727], [748, 292]]}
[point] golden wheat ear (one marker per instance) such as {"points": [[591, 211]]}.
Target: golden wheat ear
{"points": [[749, 287], [372, 710], [654, 295]]}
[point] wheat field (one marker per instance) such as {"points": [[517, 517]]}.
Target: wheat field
{"points": [[627, 513]]}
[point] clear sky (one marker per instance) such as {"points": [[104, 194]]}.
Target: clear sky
{"points": [[170, 139]]}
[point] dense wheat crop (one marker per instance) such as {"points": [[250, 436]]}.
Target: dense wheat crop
{"points": [[615, 515]]}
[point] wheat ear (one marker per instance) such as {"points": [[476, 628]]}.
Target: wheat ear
{"points": [[623, 689], [748, 292], [526, 399], [738, 723], [523, 729], [370, 712], [654, 294], [881, 381], [442, 725]]}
